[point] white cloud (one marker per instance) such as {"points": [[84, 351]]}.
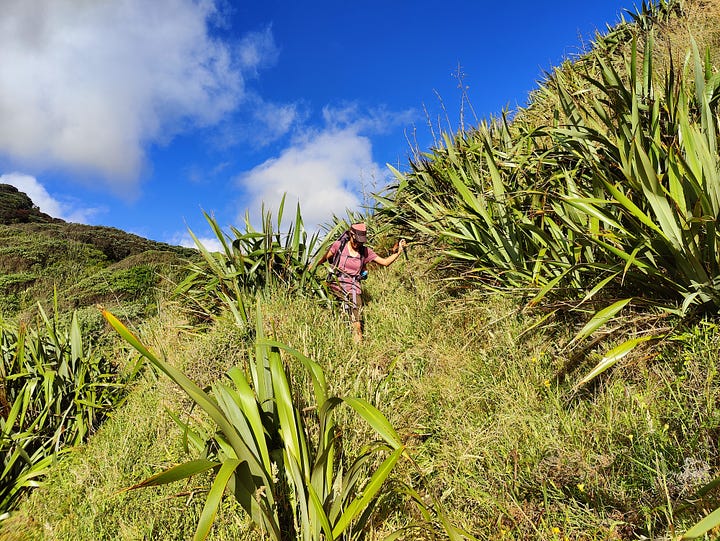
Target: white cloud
{"points": [[259, 123], [273, 121], [327, 171], [45, 202], [257, 49], [85, 85], [323, 171], [377, 120], [211, 244]]}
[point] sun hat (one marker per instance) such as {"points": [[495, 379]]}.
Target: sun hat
{"points": [[360, 232]]}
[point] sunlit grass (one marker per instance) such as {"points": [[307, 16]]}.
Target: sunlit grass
{"points": [[84, 497], [504, 444]]}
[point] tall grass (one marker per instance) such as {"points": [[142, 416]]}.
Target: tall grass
{"points": [[609, 207], [508, 448], [278, 461]]}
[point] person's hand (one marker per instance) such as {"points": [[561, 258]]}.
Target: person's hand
{"points": [[401, 245]]}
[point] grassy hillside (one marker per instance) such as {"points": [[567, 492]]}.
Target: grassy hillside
{"points": [[87, 264], [508, 448], [577, 240]]}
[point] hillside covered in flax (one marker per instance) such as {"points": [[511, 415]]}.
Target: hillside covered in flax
{"points": [[542, 365]]}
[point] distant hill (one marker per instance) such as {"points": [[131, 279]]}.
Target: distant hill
{"points": [[86, 264], [17, 208]]}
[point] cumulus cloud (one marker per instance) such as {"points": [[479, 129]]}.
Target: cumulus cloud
{"points": [[323, 171], [326, 170], [87, 85], [45, 202]]}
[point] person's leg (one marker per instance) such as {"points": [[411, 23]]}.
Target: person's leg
{"points": [[351, 304], [357, 330]]}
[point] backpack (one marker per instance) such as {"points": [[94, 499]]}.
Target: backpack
{"points": [[344, 239]]}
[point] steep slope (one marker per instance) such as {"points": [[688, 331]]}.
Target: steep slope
{"points": [[17, 207], [86, 264], [511, 448]]}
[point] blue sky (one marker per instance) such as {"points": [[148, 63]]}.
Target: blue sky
{"points": [[140, 115]]}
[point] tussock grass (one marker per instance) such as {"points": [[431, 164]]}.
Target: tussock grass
{"points": [[507, 447]]}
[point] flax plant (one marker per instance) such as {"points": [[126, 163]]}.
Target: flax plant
{"points": [[54, 392], [615, 201], [250, 261], [654, 180], [279, 456], [471, 197]]}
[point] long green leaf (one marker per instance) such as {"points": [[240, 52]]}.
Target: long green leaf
{"points": [[599, 319], [291, 432], [319, 514], [316, 372], [176, 473], [261, 513], [705, 525], [251, 410], [613, 356], [214, 497], [376, 420], [369, 492]]}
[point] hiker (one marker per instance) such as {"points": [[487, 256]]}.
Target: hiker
{"points": [[348, 255]]}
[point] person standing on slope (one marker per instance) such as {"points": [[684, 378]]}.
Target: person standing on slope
{"points": [[348, 255]]}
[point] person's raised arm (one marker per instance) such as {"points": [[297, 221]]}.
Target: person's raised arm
{"points": [[385, 261]]}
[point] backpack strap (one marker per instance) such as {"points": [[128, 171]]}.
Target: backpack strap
{"points": [[344, 239]]}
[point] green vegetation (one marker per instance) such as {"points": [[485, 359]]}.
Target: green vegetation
{"points": [[613, 205], [250, 261], [501, 442], [277, 454], [85, 264], [55, 392], [546, 368], [17, 207]]}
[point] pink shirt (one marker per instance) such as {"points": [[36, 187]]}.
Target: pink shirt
{"points": [[351, 267]]}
